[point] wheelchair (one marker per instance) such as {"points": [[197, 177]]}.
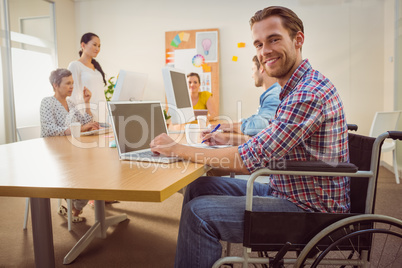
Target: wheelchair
{"points": [[313, 239]]}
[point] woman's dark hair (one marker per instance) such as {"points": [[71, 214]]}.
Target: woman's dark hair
{"points": [[57, 75], [196, 75], [85, 39]]}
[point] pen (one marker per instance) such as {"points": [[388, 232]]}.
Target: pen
{"points": [[215, 129]]}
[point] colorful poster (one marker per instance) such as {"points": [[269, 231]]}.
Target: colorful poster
{"points": [[207, 45]]}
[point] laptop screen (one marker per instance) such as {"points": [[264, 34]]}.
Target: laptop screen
{"points": [[136, 124]]}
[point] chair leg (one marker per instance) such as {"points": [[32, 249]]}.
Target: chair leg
{"points": [[395, 166], [59, 204], [69, 212], [26, 213]]}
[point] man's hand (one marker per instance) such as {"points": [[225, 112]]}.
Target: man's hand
{"points": [[216, 138], [163, 144], [87, 95]]}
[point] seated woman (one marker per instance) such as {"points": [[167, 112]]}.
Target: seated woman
{"points": [[56, 114], [200, 100]]}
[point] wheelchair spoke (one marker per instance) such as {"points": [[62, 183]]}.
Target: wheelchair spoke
{"points": [[371, 243]]}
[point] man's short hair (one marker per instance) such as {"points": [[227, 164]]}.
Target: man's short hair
{"points": [[257, 62], [57, 75], [289, 19]]}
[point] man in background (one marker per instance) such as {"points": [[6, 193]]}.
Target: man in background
{"points": [[269, 101]]}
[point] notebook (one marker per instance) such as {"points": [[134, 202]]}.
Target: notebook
{"points": [[135, 125]]}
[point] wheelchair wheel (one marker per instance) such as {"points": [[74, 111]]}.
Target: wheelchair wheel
{"points": [[359, 241]]}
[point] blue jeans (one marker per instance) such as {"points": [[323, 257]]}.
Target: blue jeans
{"points": [[213, 210]]}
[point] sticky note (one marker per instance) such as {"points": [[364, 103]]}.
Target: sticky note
{"points": [[174, 44], [241, 44], [206, 68], [185, 36], [177, 39], [234, 58]]}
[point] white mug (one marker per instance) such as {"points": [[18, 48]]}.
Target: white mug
{"points": [[192, 133], [75, 129], [202, 121]]}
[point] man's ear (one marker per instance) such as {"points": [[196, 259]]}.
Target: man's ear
{"points": [[261, 70], [299, 39]]}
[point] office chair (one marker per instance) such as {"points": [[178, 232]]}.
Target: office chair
{"points": [[385, 121], [29, 133]]}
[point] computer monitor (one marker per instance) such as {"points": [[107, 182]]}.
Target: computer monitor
{"points": [[178, 96], [130, 86]]}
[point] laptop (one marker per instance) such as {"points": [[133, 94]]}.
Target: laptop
{"points": [[135, 125]]}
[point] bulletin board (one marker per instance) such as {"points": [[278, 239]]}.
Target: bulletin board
{"points": [[196, 51]]}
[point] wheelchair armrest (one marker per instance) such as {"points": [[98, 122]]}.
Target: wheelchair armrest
{"points": [[319, 166], [395, 135], [352, 127]]}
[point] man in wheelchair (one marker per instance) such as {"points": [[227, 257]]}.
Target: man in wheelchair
{"points": [[309, 124]]}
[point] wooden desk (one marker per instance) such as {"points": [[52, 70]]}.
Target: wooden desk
{"points": [[62, 167]]}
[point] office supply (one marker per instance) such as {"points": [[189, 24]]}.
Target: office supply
{"points": [[178, 96], [96, 131], [135, 125], [202, 121], [198, 112], [75, 129], [215, 129], [192, 133], [130, 86], [107, 179]]}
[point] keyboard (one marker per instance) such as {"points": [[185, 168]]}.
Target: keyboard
{"points": [[96, 132], [149, 156]]}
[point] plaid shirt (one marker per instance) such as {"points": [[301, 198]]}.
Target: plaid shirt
{"points": [[309, 125]]}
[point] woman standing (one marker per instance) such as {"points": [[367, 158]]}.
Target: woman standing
{"points": [[88, 73]]}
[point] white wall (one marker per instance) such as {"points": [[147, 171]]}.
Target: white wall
{"points": [[344, 40]]}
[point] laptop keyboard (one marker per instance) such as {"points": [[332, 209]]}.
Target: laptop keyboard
{"points": [[150, 156]]}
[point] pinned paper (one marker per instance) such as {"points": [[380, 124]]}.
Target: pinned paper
{"points": [[241, 44], [180, 37], [234, 58], [206, 68], [184, 36], [198, 60], [169, 55], [173, 43]]}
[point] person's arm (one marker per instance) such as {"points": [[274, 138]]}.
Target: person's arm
{"points": [[48, 120], [223, 138], [254, 124], [269, 103], [225, 158], [87, 94], [211, 108], [298, 118], [76, 96]]}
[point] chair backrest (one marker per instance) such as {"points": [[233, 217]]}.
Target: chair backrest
{"points": [[360, 150], [28, 132], [384, 121]]}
